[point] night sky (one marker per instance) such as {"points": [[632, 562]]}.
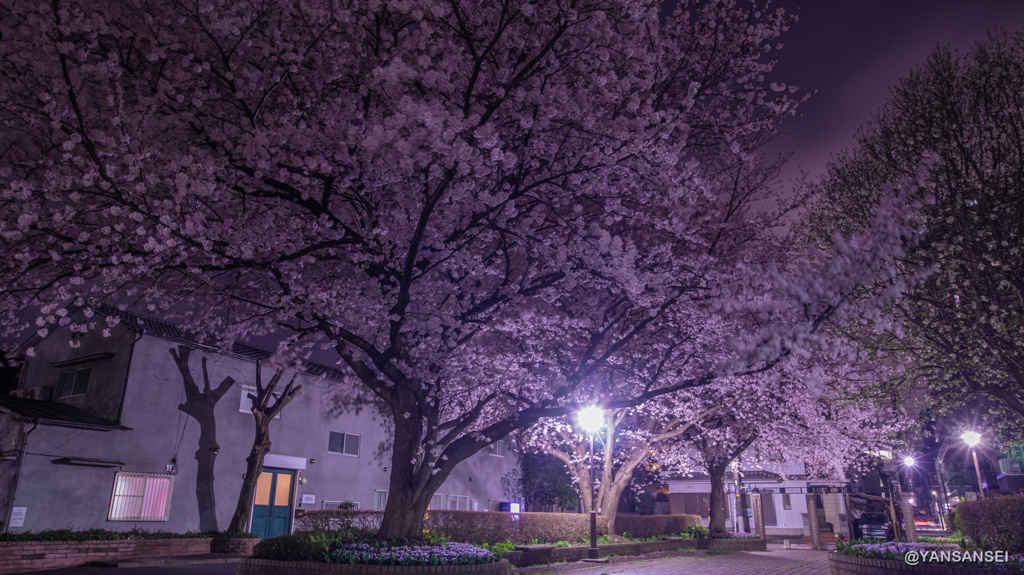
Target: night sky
{"points": [[851, 51]]}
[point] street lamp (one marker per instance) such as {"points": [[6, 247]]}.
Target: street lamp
{"points": [[591, 419], [972, 439]]}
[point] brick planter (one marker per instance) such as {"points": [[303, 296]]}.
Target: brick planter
{"points": [[847, 565], [733, 544], [249, 566], [526, 555], [21, 556], [234, 545]]}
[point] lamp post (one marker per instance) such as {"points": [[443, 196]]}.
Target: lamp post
{"points": [[591, 419], [909, 526], [972, 439]]}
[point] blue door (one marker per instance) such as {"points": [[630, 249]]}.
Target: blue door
{"points": [[272, 503]]}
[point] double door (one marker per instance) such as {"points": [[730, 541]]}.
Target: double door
{"points": [[272, 503]]}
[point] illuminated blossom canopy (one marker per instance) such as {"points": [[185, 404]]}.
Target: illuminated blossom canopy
{"points": [[473, 205]]}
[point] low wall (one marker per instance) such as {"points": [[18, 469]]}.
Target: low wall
{"points": [[733, 544], [847, 565], [234, 545], [540, 554], [21, 556], [249, 566]]}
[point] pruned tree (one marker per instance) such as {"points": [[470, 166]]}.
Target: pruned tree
{"points": [[200, 405], [267, 403]]}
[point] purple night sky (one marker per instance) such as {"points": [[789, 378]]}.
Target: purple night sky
{"points": [[851, 51]]}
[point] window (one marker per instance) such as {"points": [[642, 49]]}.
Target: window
{"points": [[335, 505], [380, 500], [437, 501], [343, 443], [140, 497], [787, 503], [458, 503], [245, 404], [768, 456], [497, 448], [73, 382]]}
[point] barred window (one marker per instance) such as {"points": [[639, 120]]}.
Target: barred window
{"points": [[140, 497]]}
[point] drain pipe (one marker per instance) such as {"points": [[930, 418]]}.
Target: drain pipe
{"points": [[17, 478]]}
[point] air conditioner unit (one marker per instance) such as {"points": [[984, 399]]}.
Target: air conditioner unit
{"points": [[39, 392]]}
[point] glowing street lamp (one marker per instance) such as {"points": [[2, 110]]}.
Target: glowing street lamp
{"points": [[972, 439], [591, 420]]}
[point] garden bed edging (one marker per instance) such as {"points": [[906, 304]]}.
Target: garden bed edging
{"points": [[250, 566]]}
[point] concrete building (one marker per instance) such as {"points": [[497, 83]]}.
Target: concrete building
{"points": [[107, 434], [783, 487]]}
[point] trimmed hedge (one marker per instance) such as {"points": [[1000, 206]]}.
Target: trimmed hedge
{"points": [[646, 526], [499, 527], [301, 546], [996, 522]]}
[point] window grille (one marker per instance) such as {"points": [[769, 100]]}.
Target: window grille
{"points": [[335, 505], [140, 497]]}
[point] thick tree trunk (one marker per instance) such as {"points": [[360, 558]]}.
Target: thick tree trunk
{"points": [[718, 508], [609, 505], [253, 468], [408, 495], [403, 516]]}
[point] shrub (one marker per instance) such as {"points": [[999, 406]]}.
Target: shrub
{"points": [[645, 504], [996, 522], [300, 546], [495, 527], [647, 526], [339, 520], [696, 531]]}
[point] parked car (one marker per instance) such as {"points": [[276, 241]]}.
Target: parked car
{"points": [[874, 525]]}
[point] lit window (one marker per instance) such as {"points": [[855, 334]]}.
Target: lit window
{"points": [[140, 497], [380, 500], [497, 448], [73, 382], [343, 443]]}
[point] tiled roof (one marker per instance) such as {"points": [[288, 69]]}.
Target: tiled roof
{"points": [[167, 330], [730, 477], [54, 413]]}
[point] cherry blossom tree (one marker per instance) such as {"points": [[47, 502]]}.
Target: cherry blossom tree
{"points": [[475, 206]]}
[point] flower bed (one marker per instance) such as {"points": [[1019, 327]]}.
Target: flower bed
{"points": [[731, 535], [931, 555], [367, 554]]}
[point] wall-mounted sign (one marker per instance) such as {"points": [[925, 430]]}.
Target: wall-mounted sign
{"points": [[18, 516], [308, 499]]}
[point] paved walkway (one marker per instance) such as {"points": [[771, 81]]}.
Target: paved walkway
{"points": [[789, 562], [775, 562]]}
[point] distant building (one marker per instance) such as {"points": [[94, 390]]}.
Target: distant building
{"points": [[783, 487], [103, 435]]}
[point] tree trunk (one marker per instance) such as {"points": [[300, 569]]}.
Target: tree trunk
{"points": [[403, 515], [609, 505], [263, 414], [253, 468], [408, 495], [718, 508]]}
